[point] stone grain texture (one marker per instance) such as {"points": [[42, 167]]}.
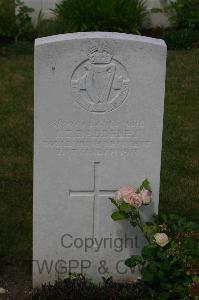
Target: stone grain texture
{"points": [[99, 100]]}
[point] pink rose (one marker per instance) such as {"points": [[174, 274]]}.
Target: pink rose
{"points": [[128, 195], [124, 192], [146, 196], [135, 200]]}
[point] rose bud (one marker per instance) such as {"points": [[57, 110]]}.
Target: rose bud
{"points": [[146, 196]]}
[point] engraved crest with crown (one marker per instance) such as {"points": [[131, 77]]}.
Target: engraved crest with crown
{"points": [[100, 83]]}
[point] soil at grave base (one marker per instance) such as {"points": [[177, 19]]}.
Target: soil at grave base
{"points": [[82, 288], [16, 282]]}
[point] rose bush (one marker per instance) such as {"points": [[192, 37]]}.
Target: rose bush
{"points": [[169, 261]]}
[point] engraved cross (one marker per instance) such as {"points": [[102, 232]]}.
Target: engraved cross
{"points": [[95, 193]]}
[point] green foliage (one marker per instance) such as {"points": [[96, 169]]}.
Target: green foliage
{"points": [[166, 269], [125, 211], [145, 184], [175, 224], [171, 270], [104, 15], [7, 18], [118, 215], [169, 261], [17, 26], [24, 26], [185, 14], [133, 261]]}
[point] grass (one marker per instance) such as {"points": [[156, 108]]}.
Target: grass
{"points": [[180, 160], [16, 136], [179, 192]]}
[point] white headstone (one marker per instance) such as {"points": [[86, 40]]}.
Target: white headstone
{"points": [[99, 100]]}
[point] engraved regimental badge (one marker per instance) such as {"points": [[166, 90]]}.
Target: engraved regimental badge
{"points": [[100, 83]]}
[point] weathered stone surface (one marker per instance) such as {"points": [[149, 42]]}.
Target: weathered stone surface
{"points": [[99, 100]]}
